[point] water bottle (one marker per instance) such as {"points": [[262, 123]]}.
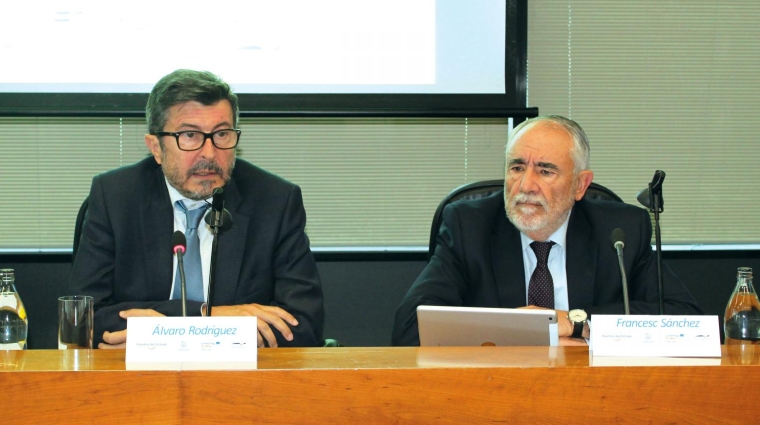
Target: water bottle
{"points": [[13, 321], [742, 319]]}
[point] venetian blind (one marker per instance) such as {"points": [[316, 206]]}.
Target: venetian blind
{"points": [[367, 182], [671, 85]]}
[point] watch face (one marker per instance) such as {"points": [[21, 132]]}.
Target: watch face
{"points": [[577, 315]]}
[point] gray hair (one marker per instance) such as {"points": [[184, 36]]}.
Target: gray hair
{"points": [[185, 85], [581, 151]]}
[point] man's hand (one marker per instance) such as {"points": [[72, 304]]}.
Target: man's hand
{"points": [[565, 327], [568, 341], [118, 340], [267, 315]]}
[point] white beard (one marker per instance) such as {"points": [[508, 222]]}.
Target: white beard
{"points": [[526, 220]]}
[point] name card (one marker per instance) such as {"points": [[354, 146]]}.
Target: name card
{"points": [[655, 336], [191, 343]]}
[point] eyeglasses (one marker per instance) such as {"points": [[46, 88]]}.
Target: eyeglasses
{"points": [[194, 140]]}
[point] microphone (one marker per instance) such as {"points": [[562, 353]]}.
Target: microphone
{"points": [[618, 242], [651, 197], [223, 218], [217, 201], [179, 245], [220, 218]]}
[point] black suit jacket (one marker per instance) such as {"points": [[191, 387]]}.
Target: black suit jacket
{"points": [[478, 262], [125, 259]]}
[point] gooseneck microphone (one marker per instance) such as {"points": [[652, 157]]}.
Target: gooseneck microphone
{"points": [[219, 219], [651, 197], [179, 245], [618, 242]]}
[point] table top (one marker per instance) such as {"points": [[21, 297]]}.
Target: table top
{"points": [[382, 358], [400, 385]]}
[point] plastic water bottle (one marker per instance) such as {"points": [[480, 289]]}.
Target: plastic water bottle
{"points": [[13, 321], [742, 319]]}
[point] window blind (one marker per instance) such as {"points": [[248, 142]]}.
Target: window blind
{"points": [[670, 85], [367, 182]]}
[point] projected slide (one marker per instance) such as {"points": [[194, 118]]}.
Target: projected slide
{"points": [[259, 46]]}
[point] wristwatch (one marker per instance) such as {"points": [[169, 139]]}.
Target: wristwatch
{"points": [[578, 319]]}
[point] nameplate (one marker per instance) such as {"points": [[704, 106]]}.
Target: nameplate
{"points": [[191, 343], [655, 336]]}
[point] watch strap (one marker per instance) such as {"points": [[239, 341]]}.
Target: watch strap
{"points": [[578, 329]]}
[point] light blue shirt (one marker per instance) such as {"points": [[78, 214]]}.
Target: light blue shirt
{"points": [[557, 262]]}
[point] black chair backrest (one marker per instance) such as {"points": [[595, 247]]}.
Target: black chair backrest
{"points": [[78, 227], [485, 188]]}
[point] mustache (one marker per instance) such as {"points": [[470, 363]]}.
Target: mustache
{"points": [[205, 165], [527, 198]]}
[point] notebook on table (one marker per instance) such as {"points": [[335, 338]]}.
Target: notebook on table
{"points": [[473, 326]]}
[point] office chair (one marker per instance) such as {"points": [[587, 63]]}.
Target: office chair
{"points": [[78, 227], [485, 188]]}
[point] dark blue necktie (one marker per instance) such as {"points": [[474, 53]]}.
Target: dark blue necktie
{"points": [[192, 258], [541, 286]]}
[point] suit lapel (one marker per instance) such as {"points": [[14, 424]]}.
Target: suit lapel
{"points": [[507, 261], [581, 260], [157, 223], [231, 246]]}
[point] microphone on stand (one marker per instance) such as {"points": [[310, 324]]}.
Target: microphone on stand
{"points": [[218, 219], [651, 197], [179, 245], [618, 242]]}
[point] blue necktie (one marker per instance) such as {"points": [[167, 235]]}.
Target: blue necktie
{"points": [[192, 258], [541, 286]]}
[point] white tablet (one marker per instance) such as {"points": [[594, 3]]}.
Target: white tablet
{"points": [[472, 326]]}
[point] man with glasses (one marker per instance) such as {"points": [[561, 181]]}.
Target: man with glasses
{"points": [[264, 265]]}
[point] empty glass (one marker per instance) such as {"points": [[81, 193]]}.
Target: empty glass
{"points": [[75, 321]]}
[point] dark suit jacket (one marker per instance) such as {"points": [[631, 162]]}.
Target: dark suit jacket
{"points": [[125, 258], [478, 262]]}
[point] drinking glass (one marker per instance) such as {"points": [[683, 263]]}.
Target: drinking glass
{"points": [[75, 322]]}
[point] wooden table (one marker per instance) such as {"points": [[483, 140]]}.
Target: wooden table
{"points": [[382, 385]]}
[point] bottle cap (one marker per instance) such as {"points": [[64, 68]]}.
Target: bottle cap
{"points": [[745, 272], [7, 275]]}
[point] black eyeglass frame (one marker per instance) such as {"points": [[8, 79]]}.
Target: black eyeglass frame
{"points": [[206, 136]]}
